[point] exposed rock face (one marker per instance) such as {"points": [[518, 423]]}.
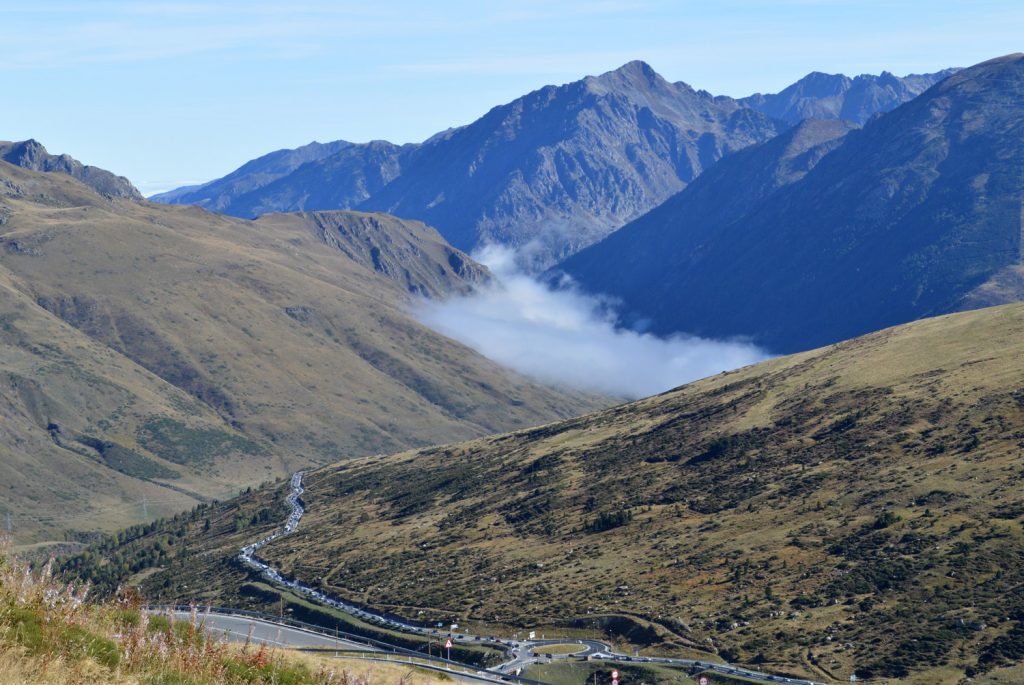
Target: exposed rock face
{"points": [[407, 252], [835, 96], [917, 214], [30, 154]]}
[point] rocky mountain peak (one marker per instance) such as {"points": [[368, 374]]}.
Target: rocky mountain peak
{"points": [[31, 154], [25, 153], [631, 78], [820, 84]]}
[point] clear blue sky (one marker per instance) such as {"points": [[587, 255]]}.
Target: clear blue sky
{"points": [[169, 93]]}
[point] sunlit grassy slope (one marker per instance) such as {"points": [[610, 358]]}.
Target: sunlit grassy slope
{"points": [[171, 355]]}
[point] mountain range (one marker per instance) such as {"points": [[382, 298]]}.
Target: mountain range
{"points": [[826, 233], [158, 356], [548, 173], [836, 96]]}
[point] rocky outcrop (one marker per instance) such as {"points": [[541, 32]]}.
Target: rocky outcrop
{"points": [[30, 154]]}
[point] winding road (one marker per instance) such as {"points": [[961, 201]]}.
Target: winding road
{"points": [[521, 652]]}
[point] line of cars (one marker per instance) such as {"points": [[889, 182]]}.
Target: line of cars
{"points": [[248, 557]]}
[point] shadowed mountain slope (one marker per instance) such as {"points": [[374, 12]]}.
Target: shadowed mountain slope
{"points": [[341, 181], [629, 262], [916, 214]]}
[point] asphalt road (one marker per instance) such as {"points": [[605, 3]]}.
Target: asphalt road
{"points": [[237, 629], [259, 631]]}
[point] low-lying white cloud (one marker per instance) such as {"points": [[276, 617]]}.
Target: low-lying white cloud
{"points": [[564, 336]]}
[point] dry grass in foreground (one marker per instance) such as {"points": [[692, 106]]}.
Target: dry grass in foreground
{"points": [[50, 634]]}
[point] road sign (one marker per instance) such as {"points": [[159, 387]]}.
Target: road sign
{"points": [[533, 635], [448, 643], [704, 680], [615, 675]]}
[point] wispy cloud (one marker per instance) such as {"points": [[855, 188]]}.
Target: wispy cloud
{"points": [[566, 337], [130, 32]]}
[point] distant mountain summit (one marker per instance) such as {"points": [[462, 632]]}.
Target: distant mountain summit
{"points": [[564, 166], [548, 173], [835, 96], [30, 154], [916, 214], [232, 192]]}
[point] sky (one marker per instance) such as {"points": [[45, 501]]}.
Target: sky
{"points": [[174, 93]]}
